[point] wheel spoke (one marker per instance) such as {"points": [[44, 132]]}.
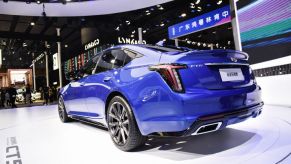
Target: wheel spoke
{"points": [[122, 135], [123, 113], [113, 116], [118, 136], [113, 124], [125, 131], [125, 122]]}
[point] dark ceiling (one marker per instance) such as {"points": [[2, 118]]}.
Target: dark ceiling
{"points": [[23, 38]]}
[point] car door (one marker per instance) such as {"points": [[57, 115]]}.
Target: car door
{"points": [[103, 81], [77, 104]]}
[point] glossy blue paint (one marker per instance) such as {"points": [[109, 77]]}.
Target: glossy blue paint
{"points": [[156, 107]]}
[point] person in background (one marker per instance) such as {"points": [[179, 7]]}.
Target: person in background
{"points": [[28, 94], [45, 95], [12, 92], [2, 95], [7, 98]]}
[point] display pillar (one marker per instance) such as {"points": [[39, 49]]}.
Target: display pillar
{"points": [[176, 43], [33, 74], [140, 35], [59, 58], [46, 65], [235, 25]]}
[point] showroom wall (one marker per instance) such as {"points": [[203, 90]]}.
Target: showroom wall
{"points": [[274, 77]]}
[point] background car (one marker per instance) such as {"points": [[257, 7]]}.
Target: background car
{"points": [[142, 90]]}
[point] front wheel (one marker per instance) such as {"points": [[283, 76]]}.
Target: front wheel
{"points": [[62, 111], [122, 125]]}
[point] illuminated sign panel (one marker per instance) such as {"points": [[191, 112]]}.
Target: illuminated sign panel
{"points": [[55, 61], [208, 20]]}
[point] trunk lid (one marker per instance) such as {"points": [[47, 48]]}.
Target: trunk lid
{"points": [[214, 70]]}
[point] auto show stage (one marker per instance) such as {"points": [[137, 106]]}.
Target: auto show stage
{"points": [[35, 135]]}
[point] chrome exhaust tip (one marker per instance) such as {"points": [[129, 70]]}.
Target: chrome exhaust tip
{"points": [[208, 128]]}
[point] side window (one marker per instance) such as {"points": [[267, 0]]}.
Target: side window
{"points": [[129, 56], [115, 58], [105, 62], [89, 66]]}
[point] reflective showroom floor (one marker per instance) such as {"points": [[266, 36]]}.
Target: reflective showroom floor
{"points": [[35, 135]]}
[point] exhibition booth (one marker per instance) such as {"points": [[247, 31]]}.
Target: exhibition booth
{"points": [[159, 81]]}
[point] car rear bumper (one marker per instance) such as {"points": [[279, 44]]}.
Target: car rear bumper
{"points": [[186, 128], [184, 114]]}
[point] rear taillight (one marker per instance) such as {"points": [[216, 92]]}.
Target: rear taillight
{"points": [[170, 74]]}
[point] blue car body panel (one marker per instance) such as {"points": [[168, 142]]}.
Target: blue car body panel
{"points": [[156, 107]]}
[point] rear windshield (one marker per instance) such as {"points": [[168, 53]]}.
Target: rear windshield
{"points": [[165, 48]]}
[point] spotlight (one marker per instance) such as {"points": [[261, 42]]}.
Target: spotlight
{"points": [[38, 2], [197, 2], [127, 22], [219, 2], [183, 15], [162, 24], [32, 23]]}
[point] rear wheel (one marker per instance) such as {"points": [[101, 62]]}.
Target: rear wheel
{"points": [[62, 111], [122, 125]]}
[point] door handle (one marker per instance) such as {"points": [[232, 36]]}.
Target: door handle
{"points": [[107, 79], [82, 84]]}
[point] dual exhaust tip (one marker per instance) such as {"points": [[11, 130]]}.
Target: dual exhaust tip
{"points": [[208, 128]]}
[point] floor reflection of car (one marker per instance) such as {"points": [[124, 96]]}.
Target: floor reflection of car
{"points": [[142, 90]]}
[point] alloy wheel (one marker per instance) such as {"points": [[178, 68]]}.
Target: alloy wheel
{"points": [[118, 123], [61, 109]]}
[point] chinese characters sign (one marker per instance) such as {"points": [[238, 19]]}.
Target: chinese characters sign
{"points": [[211, 19]]}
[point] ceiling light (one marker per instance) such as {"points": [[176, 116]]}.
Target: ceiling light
{"points": [[144, 31], [228, 42], [133, 32], [132, 36], [117, 28], [199, 9], [127, 22], [38, 2], [24, 44], [192, 7], [162, 24], [183, 15], [219, 2], [148, 13], [66, 45], [197, 2], [32, 23]]}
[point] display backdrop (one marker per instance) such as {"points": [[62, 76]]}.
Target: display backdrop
{"points": [[265, 27]]}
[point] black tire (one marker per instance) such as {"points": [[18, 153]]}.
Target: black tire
{"points": [[122, 125], [62, 111]]}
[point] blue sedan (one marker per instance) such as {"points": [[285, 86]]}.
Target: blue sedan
{"points": [[144, 90]]}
